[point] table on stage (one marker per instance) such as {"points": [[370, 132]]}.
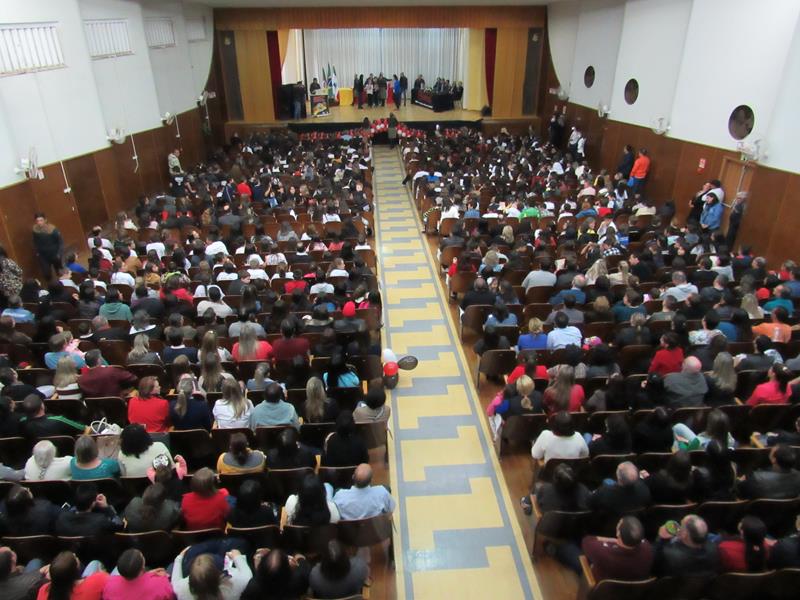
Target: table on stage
{"points": [[345, 96], [438, 102]]}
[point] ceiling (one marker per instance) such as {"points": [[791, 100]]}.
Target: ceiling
{"points": [[355, 3]]}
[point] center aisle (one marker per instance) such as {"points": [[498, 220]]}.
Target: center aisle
{"points": [[457, 533]]}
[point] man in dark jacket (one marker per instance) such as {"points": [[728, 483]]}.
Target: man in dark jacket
{"points": [[49, 245], [629, 493], [90, 516], [38, 425], [100, 380], [17, 583], [781, 481], [479, 294], [688, 552]]}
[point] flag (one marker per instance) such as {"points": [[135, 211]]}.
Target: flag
{"points": [[333, 87]]}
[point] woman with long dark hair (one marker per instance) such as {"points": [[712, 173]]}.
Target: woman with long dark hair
{"points": [[312, 505], [337, 575], [748, 552], [68, 581]]}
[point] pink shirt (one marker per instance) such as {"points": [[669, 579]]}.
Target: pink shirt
{"points": [[148, 585]]}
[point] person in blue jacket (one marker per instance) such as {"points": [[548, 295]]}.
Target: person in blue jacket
{"points": [[711, 217]]}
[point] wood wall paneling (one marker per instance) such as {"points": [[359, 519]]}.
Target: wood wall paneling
{"points": [[87, 191], [109, 178], [509, 72], [784, 241], [126, 173], [252, 60], [264, 19], [148, 151], [59, 207], [18, 205], [760, 223]]}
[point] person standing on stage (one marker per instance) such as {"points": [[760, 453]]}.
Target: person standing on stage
{"points": [[298, 99], [403, 87], [314, 86], [358, 88], [396, 91], [49, 245], [369, 87], [382, 89]]}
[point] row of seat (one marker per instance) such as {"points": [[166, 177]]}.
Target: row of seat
{"points": [[161, 547]]}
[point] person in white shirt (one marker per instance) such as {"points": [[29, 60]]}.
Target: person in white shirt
{"points": [[588, 189], [255, 270], [44, 464], [338, 268], [204, 569], [561, 441], [65, 278], [563, 334], [215, 303], [122, 277], [680, 289], [215, 247], [157, 245]]}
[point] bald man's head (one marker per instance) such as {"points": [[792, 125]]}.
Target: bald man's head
{"points": [[694, 530], [692, 364], [627, 473], [362, 476]]}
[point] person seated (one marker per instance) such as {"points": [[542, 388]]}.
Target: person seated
{"points": [[749, 551], [38, 424], [763, 357], [250, 509], [289, 454], [574, 315], [90, 516], [675, 483], [278, 576], [501, 316], [710, 329], [518, 398], [344, 447], [18, 582], [312, 505], [87, 464], [630, 305], [535, 339], [680, 289], [62, 344], [338, 575], [240, 458], [563, 394], [340, 374], [564, 493], [785, 553], [17, 312], [45, 465], [65, 380], [776, 390], [23, 515], [687, 388], [215, 303], [289, 346], [153, 510], [708, 352], [362, 500], [600, 362], [249, 347], [669, 357], [177, 348], [780, 481], [207, 579], [190, 410], [233, 410], [148, 407], [576, 290], [563, 334], [491, 340], [783, 436], [628, 493], [13, 391], [274, 410], [138, 450], [98, 380], [636, 334], [685, 551], [373, 407], [205, 507], [626, 557], [654, 433], [135, 581], [9, 334], [560, 441], [615, 440], [67, 580]]}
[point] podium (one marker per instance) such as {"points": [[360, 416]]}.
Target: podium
{"points": [[319, 105]]}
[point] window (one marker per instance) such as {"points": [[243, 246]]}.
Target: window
{"points": [[159, 33], [741, 122], [588, 76], [196, 29], [107, 38], [631, 91], [29, 47]]}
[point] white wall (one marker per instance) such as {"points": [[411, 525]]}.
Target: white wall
{"points": [[67, 112], [647, 53], [597, 44], [695, 61]]}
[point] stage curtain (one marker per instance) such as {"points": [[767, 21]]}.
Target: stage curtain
{"points": [[509, 73], [490, 43], [475, 97], [292, 58], [255, 80], [273, 47], [431, 52]]}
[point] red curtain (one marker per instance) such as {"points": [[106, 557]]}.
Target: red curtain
{"points": [[274, 51], [490, 47]]}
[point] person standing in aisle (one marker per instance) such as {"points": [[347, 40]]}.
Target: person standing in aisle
{"points": [[396, 92], [403, 86], [358, 89], [735, 218], [49, 245]]}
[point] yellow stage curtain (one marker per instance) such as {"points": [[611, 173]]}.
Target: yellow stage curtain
{"points": [[283, 43], [475, 96], [252, 61], [509, 72]]}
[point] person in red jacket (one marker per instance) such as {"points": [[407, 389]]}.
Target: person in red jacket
{"points": [[205, 507], [641, 166], [747, 553], [148, 408], [776, 390], [99, 380], [669, 358]]}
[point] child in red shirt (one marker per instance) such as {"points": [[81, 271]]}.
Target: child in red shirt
{"points": [[205, 507]]}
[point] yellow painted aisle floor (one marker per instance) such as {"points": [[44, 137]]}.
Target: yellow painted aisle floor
{"points": [[457, 534]]}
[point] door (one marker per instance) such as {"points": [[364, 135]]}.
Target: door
{"points": [[735, 176]]}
